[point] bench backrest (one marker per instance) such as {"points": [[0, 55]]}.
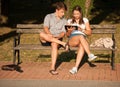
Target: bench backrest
{"points": [[37, 28], [108, 29]]}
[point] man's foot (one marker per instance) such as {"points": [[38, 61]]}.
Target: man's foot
{"points": [[42, 41], [67, 47], [73, 70], [91, 57], [53, 72]]}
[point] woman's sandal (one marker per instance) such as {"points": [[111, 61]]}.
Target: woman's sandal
{"points": [[53, 72]]}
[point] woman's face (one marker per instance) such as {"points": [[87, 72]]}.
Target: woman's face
{"points": [[76, 14]]}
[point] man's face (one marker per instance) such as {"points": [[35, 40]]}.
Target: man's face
{"points": [[60, 12]]}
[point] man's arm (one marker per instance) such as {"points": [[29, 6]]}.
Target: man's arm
{"points": [[46, 30]]}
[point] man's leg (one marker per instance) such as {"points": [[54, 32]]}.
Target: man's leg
{"points": [[46, 37], [54, 54]]}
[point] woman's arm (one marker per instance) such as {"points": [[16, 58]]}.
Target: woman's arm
{"points": [[88, 30]]}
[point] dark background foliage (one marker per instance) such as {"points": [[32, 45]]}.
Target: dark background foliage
{"points": [[34, 11]]}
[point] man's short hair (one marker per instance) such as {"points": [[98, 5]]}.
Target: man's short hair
{"points": [[60, 5]]}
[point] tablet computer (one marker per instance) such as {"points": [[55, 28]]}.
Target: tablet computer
{"points": [[69, 26]]}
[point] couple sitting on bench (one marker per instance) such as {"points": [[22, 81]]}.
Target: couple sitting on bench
{"points": [[55, 30]]}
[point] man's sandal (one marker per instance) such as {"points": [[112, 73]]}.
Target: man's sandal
{"points": [[53, 72]]}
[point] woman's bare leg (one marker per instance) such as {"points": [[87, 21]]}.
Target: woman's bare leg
{"points": [[75, 42], [79, 57], [85, 44]]}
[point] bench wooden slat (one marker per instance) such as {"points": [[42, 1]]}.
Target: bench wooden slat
{"points": [[103, 48], [103, 31], [41, 26], [94, 31], [103, 26], [37, 28], [29, 31], [30, 26], [31, 47], [95, 48], [40, 47]]}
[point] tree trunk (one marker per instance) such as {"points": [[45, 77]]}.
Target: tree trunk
{"points": [[68, 7], [87, 6]]}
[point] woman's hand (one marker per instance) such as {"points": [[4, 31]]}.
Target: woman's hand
{"points": [[69, 30], [79, 28]]}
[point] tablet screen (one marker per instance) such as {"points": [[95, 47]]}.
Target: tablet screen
{"points": [[69, 26]]}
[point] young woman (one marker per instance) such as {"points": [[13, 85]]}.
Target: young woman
{"points": [[78, 37]]}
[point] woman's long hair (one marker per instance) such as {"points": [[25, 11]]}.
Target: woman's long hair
{"points": [[78, 8]]}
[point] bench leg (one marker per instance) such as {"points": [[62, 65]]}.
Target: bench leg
{"points": [[18, 57], [113, 60], [14, 58], [16, 54]]}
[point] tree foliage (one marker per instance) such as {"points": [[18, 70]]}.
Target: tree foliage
{"points": [[85, 4]]}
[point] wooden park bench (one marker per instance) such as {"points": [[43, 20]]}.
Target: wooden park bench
{"points": [[37, 28]]}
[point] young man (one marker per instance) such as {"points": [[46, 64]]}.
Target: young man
{"points": [[54, 31]]}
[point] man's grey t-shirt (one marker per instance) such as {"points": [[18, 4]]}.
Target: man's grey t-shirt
{"points": [[55, 26]]}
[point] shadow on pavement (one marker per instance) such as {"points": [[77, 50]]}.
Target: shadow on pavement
{"points": [[12, 67]]}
